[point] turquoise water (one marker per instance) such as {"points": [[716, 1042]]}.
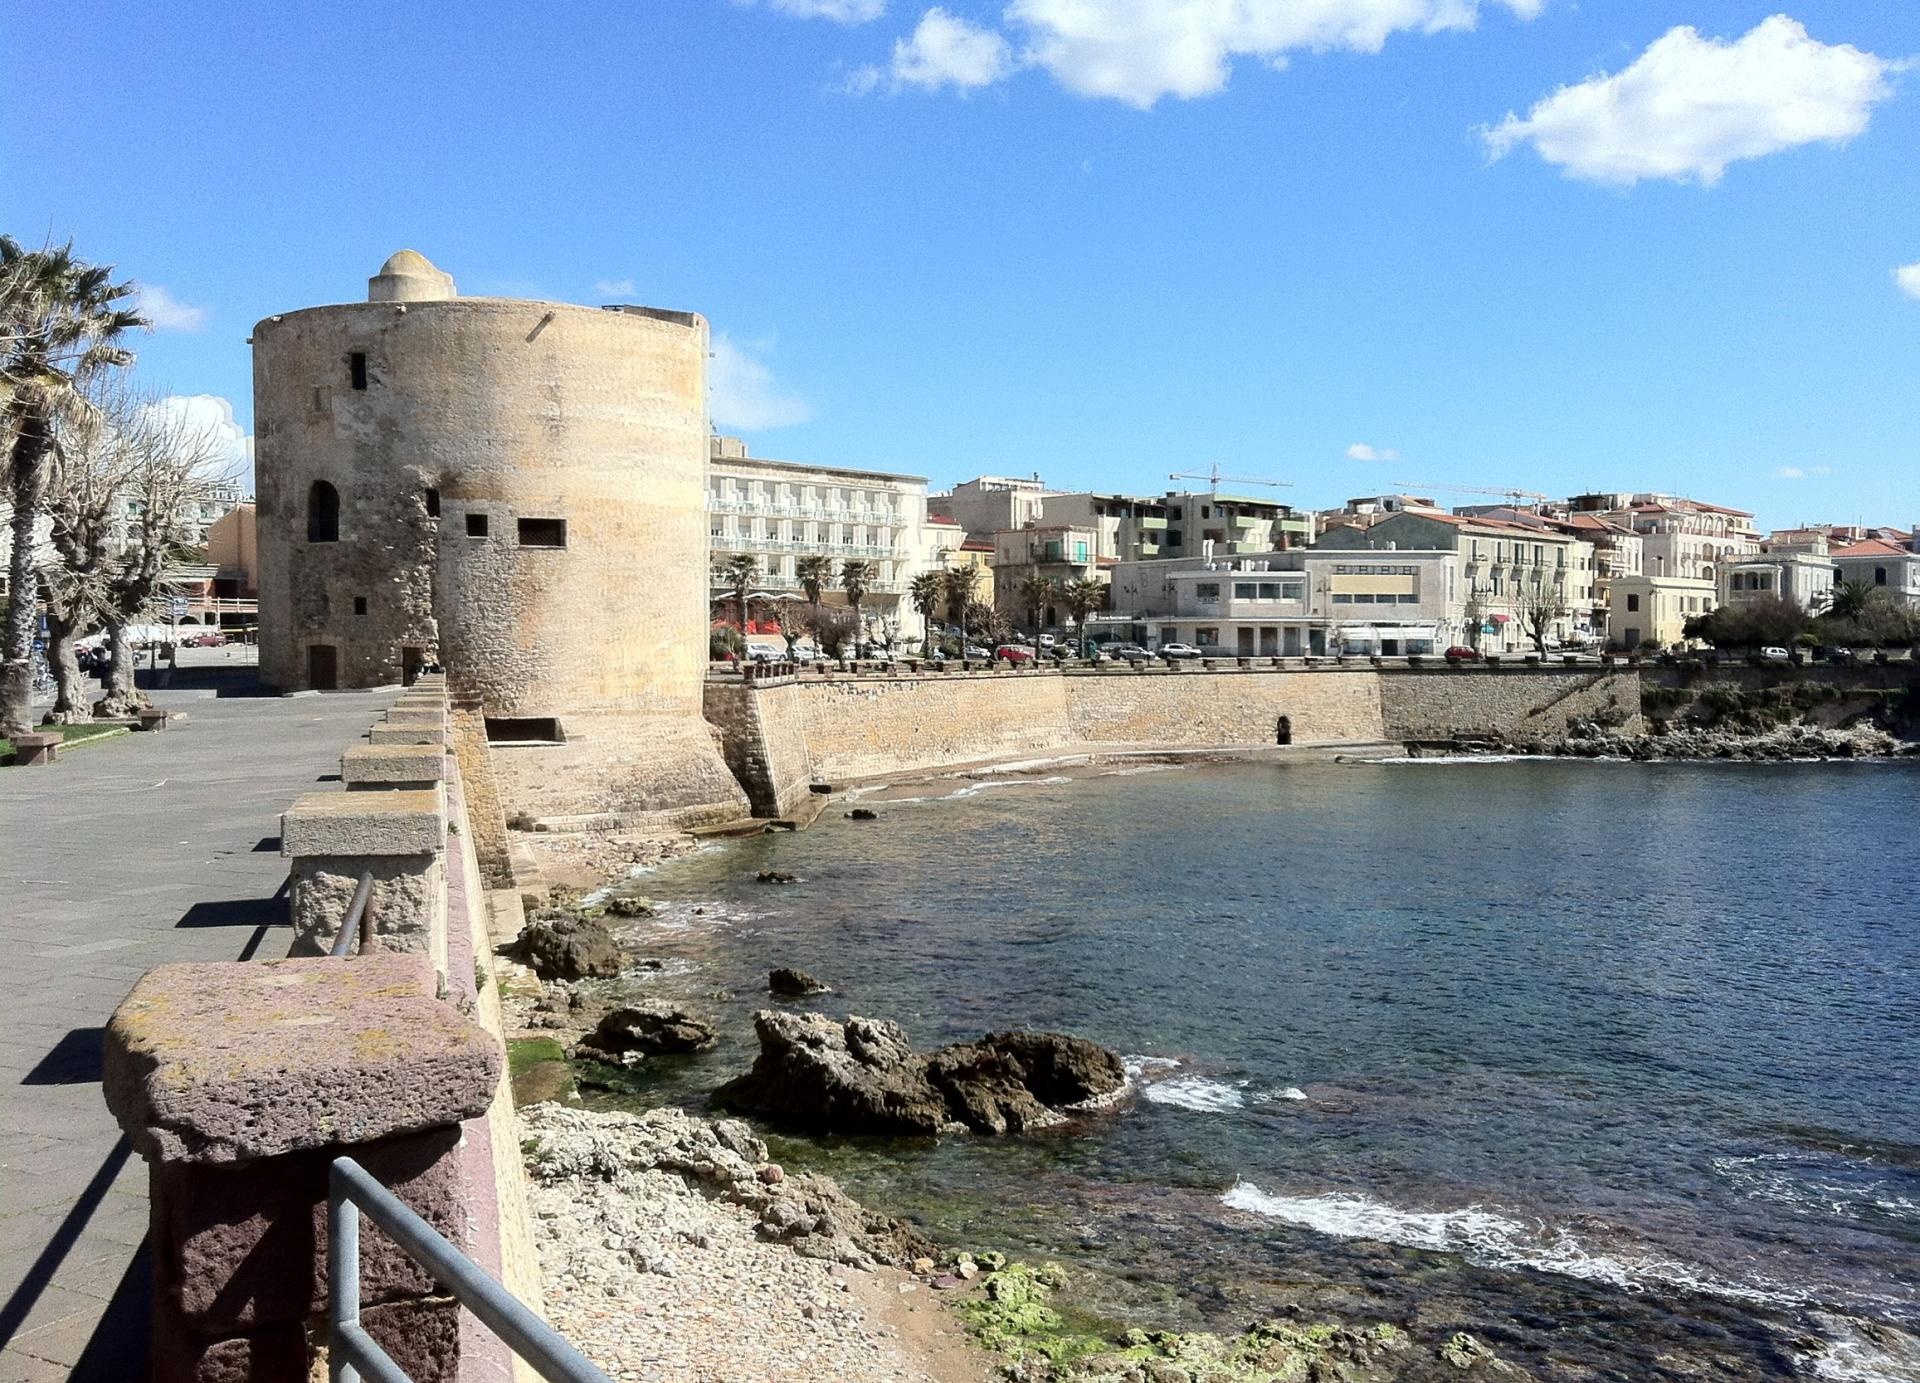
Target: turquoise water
{"points": [[1618, 1065]]}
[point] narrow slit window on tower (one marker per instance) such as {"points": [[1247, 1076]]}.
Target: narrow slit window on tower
{"points": [[543, 532], [433, 503], [357, 369], [323, 513], [359, 605], [476, 525]]}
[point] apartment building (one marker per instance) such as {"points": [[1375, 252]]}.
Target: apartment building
{"points": [[779, 512], [1885, 564], [989, 503], [1137, 528], [1055, 552], [1507, 567]]}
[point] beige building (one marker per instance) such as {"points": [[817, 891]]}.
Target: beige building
{"points": [[781, 512], [1652, 611], [1134, 528], [1888, 566], [1055, 552], [1508, 567], [989, 503]]}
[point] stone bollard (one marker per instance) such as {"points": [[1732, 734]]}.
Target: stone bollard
{"points": [[239, 1084], [412, 725], [419, 767], [400, 837]]}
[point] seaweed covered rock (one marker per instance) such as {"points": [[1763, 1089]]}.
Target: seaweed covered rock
{"points": [[795, 984]]}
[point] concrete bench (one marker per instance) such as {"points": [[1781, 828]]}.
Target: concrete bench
{"points": [[36, 748], [152, 718]]}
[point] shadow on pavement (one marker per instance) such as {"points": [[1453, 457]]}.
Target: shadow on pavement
{"points": [[117, 1350], [74, 1060], [20, 1305]]}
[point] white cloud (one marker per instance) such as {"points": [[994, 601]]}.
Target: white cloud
{"points": [[1361, 451], [208, 419], [1907, 276], [945, 50], [1138, 51], [839, 11], [614, 288], [744, 392], [1801, 473], [1689, 106], [168, 313]]}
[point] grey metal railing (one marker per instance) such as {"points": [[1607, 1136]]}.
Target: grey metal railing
{"points": [[353, 1354], [356, 920]]}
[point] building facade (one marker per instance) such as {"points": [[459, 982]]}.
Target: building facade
{"points": [[1134, 528], [1058, 553], [1885, 565], [1652, 611], [782, 512]]}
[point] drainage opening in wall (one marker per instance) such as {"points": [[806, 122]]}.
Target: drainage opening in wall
{"points": [[524, 730]]}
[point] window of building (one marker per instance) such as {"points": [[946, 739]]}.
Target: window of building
{"points": [[359, 605], [323, 513], [543, 532], [1342, 599], [1633, 604], [1407, 599], [357, 369], [433, 503], [1293, 590], [1173, 537], [1206, 590], [476, 525], [1206, 636], [1879, 576], [1247, 590]]}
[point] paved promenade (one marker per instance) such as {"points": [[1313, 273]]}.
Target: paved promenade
{"points": [[124, 855]]}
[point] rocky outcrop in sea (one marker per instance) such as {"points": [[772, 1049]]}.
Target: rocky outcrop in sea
{"points": [[862, 1075], [1784, 743]]}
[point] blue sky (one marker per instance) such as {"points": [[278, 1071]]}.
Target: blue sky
{"points": [[1102, 240]]}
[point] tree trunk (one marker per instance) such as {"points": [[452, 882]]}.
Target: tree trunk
{"points": [[123, 698], [28, 494], [72, 705]]}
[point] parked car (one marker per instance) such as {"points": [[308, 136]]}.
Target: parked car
{"points": [[1048, 641], [210, 639], [1130, 651], [1460, 653], [1014, 653], [1842, 656], [1178, 650], [1775, 655], [977, 652]]}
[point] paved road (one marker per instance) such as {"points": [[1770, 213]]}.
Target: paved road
{"points": [[125, 855]]}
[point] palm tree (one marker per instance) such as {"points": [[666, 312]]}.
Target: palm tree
{"points": [[1851, 599], [1035, 591], [958, 584], [856, 575], [1083, 598], [813, 574], [60, 323], [926, 591], [738, 573]]}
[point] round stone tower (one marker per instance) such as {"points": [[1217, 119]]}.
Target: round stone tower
{"points": [[512, 489]]}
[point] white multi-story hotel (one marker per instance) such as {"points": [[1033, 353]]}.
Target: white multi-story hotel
{"points": [[780, 512]]}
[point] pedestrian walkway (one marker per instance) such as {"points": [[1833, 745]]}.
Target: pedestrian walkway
{"points": [[124, 855]]}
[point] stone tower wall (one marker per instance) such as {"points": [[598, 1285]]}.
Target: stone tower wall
{"points": [[509, 410]]}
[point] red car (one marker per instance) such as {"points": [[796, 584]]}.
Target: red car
{"points": [[206, 641], [1014, 653], [1460, 653]]}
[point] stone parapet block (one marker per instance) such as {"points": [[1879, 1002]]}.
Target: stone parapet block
{"points": [[393, 765], [434, 715], [180, 1355], [407, 908], [228, 1062], [245, 1245], [407, 734], [358, 824]]}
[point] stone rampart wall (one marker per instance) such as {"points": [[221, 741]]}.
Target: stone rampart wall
{"points": [[1512, 703], [1229, 708]]}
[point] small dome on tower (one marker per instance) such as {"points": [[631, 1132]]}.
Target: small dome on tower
{"points": [[409, 277]]}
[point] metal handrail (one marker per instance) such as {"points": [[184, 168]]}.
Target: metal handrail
{"points": [[350, 1350], [356, 920]]}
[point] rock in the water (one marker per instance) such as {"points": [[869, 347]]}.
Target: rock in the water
{"points": [[776, 876], [568, 948], [860, 1076], [863, 814], [622, 906], [794, 983], [650, 1031]]}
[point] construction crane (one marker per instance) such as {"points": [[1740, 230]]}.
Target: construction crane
{"points": [[1213, 478], [1510, 494]]}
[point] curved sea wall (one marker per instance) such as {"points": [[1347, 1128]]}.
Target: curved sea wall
{"points": [[783, 735]]}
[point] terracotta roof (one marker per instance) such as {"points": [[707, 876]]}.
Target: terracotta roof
{"points": [[1873, 547]]}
